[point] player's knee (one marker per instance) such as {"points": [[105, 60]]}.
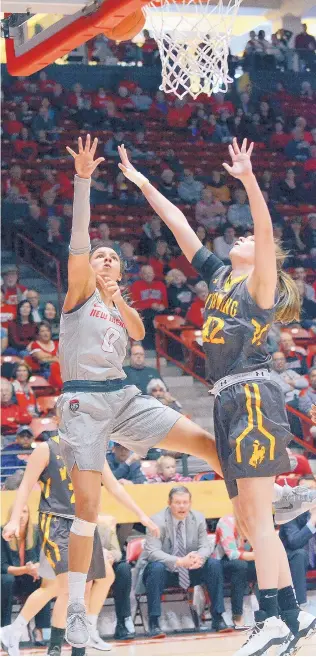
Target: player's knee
{"points": [[87, 508]]}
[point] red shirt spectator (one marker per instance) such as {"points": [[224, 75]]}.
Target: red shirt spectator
{"points": [[7, 312], [195, 313], [101, 99], [14, 180], [24, 146], [45, 85], [12, 414], [178, 116], [22, 330], [13, 292], [148, 293], [184, 265], [12, 126]]}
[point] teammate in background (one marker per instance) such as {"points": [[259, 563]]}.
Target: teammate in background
{"points": [[56, 514], [251, 426]]}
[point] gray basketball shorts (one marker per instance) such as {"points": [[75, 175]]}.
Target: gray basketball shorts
{"points": [[88, 420], [54, 533], [251, 432]]}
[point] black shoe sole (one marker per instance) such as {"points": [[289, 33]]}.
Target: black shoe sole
{"points": [[303, 634]]}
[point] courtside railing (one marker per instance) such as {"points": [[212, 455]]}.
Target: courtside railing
{"points": [[41, 261]]}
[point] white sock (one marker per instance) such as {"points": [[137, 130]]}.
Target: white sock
{"points": [[93, 619], [278, 493], [19, 624], [77, 585]]}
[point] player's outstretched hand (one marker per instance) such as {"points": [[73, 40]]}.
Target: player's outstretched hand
{"points": [[85, 164], [241, 163], [129, 171], [151, 526]]}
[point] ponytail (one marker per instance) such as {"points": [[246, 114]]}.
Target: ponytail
{"points": [[289, 304]]}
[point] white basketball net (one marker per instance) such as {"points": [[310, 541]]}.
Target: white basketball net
{"points": [[194, 51]]}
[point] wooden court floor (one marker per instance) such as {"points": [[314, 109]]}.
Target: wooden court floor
{"points": [[178, 646]]}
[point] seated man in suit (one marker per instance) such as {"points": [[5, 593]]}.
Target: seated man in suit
{"points": [[299, 539], [180, 557]]}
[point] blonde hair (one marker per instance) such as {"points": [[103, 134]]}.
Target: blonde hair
{"points": [[169, 278], [161, 461], [289, 305]]}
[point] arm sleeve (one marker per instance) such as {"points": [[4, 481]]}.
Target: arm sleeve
{"points": [[206, 263], [80, 239]]}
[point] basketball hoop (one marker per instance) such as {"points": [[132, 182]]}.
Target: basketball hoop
{"points": [[194, 54]]}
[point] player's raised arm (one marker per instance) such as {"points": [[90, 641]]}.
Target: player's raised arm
{"points": [[262, 282], [188, 241], [81, 278], [35, 466]]}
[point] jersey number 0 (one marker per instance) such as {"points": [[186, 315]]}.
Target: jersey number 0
{"points": [[111, 336]]}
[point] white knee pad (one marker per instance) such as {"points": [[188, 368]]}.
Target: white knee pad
{"points": [[83, 527]]}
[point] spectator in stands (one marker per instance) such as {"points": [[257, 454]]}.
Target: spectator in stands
{"points": [[15, 454], [33, 297], [307, 400], [168, 186], [141, 101], [4, 339], [24, 146], [289, 191], [209, 212], [179, 114], [99, 188], [153, 230], [306, 44], [12, 415], [34, 226], [12, 127], [279, 139], [137, 372], [179, 557], [295, 356], [13, 291], [300, 275], [150, 297], [149, 50], [204, 237], [308, 308], [87, 116], [297, 148], [309, 233], [299, 464], [299, 539], [19, 572], [22, 329], [189, 189], [293, 240], [13, 481], [158, 389], [160, 259], [51, 317], [56, 237], [180, 294], [195, 314], [7, 310], [223, 244], [120, 573], [125, 465], [239, 214], [111, 146], [23, 390], [219, 188], [44, 351], [289, 380], [167, 471], [131, 265], [237, 559]]}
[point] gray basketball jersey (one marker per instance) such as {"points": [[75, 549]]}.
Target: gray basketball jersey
{"points": [[92, 342]]}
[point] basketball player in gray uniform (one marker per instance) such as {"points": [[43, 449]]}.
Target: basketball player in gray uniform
{"points": [[250, 420], [56, 514]]}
